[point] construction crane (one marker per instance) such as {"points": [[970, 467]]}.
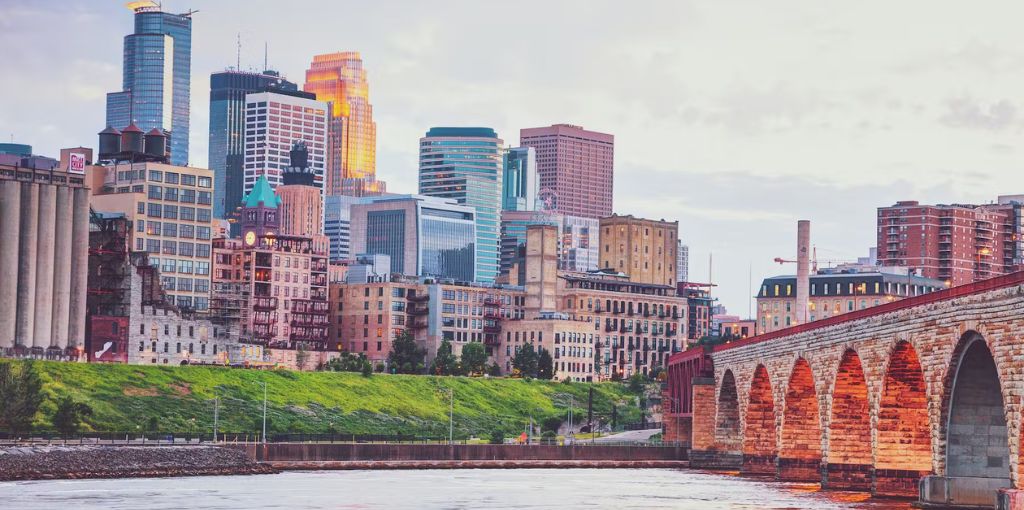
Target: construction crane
{"points": [[814, 261]]}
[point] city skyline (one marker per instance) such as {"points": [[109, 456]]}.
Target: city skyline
{"points": [[822, 123]]}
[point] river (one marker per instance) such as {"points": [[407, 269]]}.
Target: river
{"points": [[438, 489]]}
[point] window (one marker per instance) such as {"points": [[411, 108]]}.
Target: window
{"points": [[205, 182], [140, 226], [202, 268], [202, 286], [203, 215], [188, 196], [171, 211], [187, 213], [153, 245], [188, 180], [140, 208], [205, 198], [156, 176], [154, 210], [170, 248], [202, 232], [170, 229], [202, 250], [185, 266], [156, 192], [187, 231]]}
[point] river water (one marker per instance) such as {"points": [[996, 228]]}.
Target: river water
{"points": [[438, 489]]}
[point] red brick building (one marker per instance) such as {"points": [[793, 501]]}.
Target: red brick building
{"points": [[958, 243]]}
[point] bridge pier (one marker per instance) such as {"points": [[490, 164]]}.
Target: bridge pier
{"points": [[900, 483], [799, 470], [759, 465], [705, 451], [847, 477]]}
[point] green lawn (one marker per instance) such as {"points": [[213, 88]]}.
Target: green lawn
{"points": [[125, 397]]}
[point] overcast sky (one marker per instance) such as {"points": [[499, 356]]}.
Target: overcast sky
{"points": [[735, 118]]}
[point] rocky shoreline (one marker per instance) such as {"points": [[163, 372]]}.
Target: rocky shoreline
{"points": [[74, 462]]}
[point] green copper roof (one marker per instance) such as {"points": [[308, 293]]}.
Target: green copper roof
{"points": [[262, 192]]}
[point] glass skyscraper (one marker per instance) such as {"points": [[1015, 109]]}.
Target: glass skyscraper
{"points": [[465, 164], [519, 182], [227, 130], [156, 77]]}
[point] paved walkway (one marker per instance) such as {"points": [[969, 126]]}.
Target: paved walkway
{"points": [[638, 436]]}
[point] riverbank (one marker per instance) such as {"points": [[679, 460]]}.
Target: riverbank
{"points": [[475, 464], [72, 462]]}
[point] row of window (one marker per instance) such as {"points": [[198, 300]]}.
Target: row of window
{"points": [[182, 179]]}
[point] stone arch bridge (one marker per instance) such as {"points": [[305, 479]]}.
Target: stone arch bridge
{"points": [[919, 398]]}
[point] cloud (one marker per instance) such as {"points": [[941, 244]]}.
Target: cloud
{"points": [[967, 113]]}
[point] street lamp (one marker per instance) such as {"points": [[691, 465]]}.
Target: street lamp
{"points": [[264, 383], [451, 414]]}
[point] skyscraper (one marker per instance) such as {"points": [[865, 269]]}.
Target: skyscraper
{"points": [[519, 180], [339, 78], [464, 163], [302, 204], [575, 167], [227, 130], [156, 77], [275, 120]]}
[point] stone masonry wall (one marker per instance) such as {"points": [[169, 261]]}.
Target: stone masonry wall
{"points": [[896, 342]]}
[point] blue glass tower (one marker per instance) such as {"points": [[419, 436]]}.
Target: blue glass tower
{"points": [[465, 164], [227, 131], [156, 76]]}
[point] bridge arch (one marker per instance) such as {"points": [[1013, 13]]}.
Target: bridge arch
{"points": [[800, 450], [903, 444], [759, 439], [974, 423], [849, 450], [727, 420]]}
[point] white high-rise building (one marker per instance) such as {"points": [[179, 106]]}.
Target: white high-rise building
{"points": [[273, 122], [683, 263]]}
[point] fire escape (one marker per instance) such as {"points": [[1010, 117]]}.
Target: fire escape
{"points": [[492, 321]]}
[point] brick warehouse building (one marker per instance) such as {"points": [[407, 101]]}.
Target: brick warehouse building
{"points": [[957, 243]]}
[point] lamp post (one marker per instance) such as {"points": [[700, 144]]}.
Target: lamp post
{"points": [[264, 383], [451, 414]]}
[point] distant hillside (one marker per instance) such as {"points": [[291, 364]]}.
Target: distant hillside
{"points": [[127, 397]]}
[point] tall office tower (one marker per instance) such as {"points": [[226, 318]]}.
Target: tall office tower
{"points": [[339, 78], [338, 224], [275, 120], [44, 223], [683, 263], [958, 243], [156, 77], [575, 167], [227, 130], [424, 236], [464, 163], [513, 235], [645, 250], [519, 180]]}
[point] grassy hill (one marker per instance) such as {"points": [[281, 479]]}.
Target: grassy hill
{"points": [[126, 397]]}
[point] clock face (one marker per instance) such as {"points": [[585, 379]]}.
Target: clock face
{"points": [[250, 238]]}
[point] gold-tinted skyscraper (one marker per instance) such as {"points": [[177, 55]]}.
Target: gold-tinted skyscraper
{"points": [[352, 143]]}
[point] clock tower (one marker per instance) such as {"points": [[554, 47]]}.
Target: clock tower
{"points": [[260, 212]]}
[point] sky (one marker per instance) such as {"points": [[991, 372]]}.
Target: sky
{"points": [[735, 118]]}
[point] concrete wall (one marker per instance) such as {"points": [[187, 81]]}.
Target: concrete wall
{"points": [[283, 452]]}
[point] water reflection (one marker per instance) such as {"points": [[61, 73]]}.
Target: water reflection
{"points": [[441, 489]]}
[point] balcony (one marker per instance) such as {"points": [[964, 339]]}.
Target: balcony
{"points": [[419, 298], [492, 315], [264, 304], [492, 302], [492, 340], [417, 310], [492, 328], [310, 306]]}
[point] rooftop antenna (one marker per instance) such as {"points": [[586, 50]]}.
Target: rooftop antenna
{"points": [[238, 53], [264, 56]]}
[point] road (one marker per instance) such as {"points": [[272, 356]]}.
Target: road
{"points": [[630, 436]]}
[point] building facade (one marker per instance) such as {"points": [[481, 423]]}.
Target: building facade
{"points": [[683, 262], [519, 180], [339, 78], [338, 225], [958, 243], [423, 236], [171, 212], [273, 122], [157, 73], [270, 289], [44, 223], [644, 250], [465, 164], [575, 168], [302, 210], [227, 131], [580, 244], [835, 293]]}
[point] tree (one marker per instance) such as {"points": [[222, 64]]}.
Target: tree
{"points": [[494, 370], [525, 361], [301, 357], [367, 370], [474, 359], [445, 362], [405, 355], [497, 436], [545, 365], [551, 423], [20, 395], [347, 362], [67, 419], [637, 382]]}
